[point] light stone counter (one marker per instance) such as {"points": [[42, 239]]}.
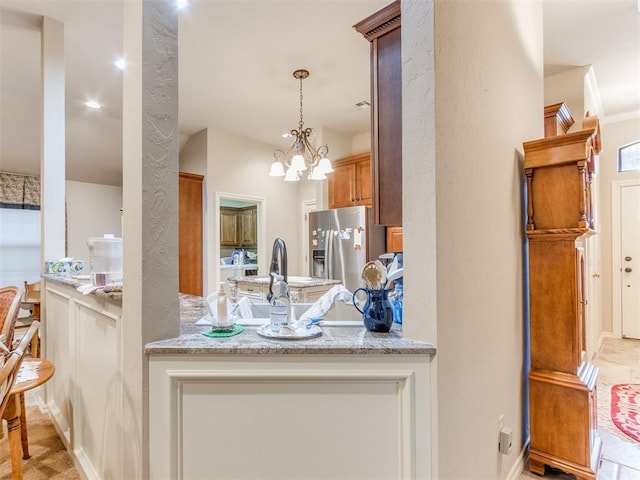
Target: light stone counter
{"points": [[334, 340], [75, 283]]}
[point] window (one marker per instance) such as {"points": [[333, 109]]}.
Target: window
{"points": [[629, 157], [19, 246]]}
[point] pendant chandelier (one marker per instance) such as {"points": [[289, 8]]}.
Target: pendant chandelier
{"points": [[302, 155]]}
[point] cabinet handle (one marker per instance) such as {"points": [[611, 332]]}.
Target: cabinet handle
{"points": [[628, 269]]}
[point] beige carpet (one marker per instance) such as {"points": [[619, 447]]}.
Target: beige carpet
{"points": [[49, 459]]}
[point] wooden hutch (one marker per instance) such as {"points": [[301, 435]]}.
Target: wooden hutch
{"points": [[562, 383]]}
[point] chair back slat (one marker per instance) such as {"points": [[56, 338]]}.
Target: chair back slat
{"points": [[10, 298]]}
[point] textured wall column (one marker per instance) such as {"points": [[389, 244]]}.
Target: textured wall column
{"points": [[150, 217], [52, 161], [419, 187]]}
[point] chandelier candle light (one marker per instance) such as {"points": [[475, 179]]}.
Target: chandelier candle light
{"points": [[301, 155]]}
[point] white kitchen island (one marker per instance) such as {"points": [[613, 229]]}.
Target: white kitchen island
{"points": [[348, 404]]}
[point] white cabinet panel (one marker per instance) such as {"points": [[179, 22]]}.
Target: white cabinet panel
{"points": [[81, 336], [335, 416]]}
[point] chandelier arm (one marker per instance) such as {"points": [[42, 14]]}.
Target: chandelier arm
{"points": [[312, 153], [323, 151]]}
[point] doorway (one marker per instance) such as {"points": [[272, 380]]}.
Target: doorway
{"points": [[307, 206], [254, 250], [626, 257]]}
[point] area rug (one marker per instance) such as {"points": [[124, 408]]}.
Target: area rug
{"points": [[625, 408]]}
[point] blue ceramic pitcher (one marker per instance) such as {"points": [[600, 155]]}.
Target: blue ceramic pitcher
{"points": [[376, 313]]}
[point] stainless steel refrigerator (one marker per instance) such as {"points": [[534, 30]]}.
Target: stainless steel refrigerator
{"points": [[341, 241]]}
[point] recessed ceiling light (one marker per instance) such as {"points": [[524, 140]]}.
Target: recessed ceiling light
{"points": [[121, 63], [93, 104], [182, 4]]}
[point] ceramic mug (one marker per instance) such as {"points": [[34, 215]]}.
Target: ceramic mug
{"points": [[376, 313]]}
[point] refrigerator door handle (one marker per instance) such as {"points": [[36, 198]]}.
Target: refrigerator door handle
{"points": [[328, 261]]}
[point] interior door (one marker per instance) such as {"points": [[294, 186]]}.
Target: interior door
{"points": [[190, 233], [630, 261]]}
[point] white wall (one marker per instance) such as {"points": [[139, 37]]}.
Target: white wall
{"points": [[361, 143], [614, 135], [193, 157], [239, 166], [488, 100], [568, 87], [92, 211]]}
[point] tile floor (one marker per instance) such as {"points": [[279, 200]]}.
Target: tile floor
{"points": [[619, 362]]}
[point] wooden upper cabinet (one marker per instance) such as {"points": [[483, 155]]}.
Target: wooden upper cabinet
{"points": [[238, 227], [350, 183], [382, 29], [190, 221]]}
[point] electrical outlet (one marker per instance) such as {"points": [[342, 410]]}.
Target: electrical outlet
{"points": [[504, 442]]}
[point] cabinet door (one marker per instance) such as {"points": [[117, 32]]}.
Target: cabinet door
{"points": [[248, 234], [342, 186], [228, 227], [394, 239], [363, 183], [190, 221]]}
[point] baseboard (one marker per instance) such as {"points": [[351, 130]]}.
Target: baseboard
{"points": [[518, 467]]}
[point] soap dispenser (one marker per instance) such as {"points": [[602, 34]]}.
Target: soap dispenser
{"points": [[279, 305], [222, 320]]}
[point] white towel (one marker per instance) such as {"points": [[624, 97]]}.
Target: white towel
{"points": [[87, 289], [326, 302]]}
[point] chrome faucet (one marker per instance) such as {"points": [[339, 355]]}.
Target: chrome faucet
{"points": [[278, 264]]}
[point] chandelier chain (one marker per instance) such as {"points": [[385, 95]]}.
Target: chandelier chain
{"points": [[301, 124]]}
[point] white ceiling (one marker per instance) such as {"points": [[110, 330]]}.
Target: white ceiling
{"points": [[236, 60]]}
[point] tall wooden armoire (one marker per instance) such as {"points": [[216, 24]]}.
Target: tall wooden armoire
{"points": [[562, 383]]}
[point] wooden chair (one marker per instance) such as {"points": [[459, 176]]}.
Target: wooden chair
{"points": [[30, 301], [9, 402], [10, 298]]}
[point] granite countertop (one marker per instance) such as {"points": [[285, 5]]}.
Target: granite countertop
{"points": [[334, 340], [75, 282], [292, 281]]}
